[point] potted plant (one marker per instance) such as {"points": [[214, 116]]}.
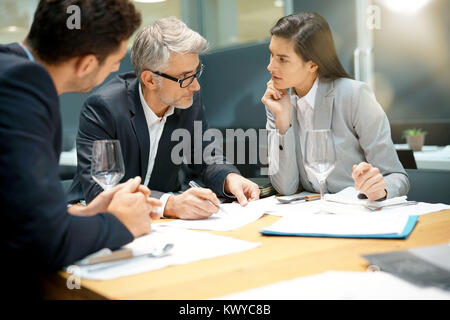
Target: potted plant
{"points": [[415, 138]]}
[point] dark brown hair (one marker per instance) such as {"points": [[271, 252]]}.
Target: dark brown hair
{"points": [[104, 25], [313, 41]]}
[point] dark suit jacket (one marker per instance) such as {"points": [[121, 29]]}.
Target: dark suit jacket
{"points": [[37, 232], [115, 112]]}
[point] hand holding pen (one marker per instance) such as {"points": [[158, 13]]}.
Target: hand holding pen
{"points": [[193, 204], [194, 184]]}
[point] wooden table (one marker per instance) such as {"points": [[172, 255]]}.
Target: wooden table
{"points": [[277, 259]]}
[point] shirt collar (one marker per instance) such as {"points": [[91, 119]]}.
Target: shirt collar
{"points": [[29, 55], [310, 97], [149, 114]]}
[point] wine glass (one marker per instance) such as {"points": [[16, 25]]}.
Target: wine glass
{"points": [[320, 156], [107, 163]]}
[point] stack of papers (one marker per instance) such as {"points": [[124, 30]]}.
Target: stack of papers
{"points": [[188, 246], [343, 226]]}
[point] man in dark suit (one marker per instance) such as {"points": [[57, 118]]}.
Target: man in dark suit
{"points": [[39, 233], [146, 111]]}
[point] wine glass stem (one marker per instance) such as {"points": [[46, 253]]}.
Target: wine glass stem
{"points": [[322, 201], [322, 189]]}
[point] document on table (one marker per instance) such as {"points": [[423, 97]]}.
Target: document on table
{"points": [[235, 217], [188, 246], [346, 202], [340, 285], [330, 225]]}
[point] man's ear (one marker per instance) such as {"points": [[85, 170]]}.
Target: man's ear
{"points": [[85, 64], [148, 79]]}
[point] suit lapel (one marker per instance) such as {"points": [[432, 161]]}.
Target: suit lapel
{"points": [[139, 124], [323, 109]]}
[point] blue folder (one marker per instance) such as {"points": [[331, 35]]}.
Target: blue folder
{"points": [[410, 224]]}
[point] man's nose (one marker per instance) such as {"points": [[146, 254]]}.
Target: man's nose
{"points": [[195, 85]]}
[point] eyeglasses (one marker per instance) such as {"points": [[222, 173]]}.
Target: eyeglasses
{"points": [[185, 82]]}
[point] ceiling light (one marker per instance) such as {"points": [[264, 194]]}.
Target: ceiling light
{"points": [[406, 6], [279, 3], [12, 29]]}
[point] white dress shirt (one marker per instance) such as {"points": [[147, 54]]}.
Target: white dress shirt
{"points": [[305, 112], [155, 126]]}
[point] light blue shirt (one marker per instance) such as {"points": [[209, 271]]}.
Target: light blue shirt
{"points": [[29, 55]]}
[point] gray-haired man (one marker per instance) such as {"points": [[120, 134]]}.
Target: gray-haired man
{"points": [[143, 109]]}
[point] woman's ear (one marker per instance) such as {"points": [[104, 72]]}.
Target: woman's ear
{"points": [[148, 80], [312, 67]]}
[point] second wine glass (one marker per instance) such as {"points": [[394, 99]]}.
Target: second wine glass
{"points": [[107, 167], [320, 156]]}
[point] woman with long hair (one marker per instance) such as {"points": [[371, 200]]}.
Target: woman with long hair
{"points": [[310, 90]]}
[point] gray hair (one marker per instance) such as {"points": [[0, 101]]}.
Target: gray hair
{"points": [[153, 45]]}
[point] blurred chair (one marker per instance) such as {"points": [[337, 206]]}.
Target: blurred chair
{"points": [[429, 185], [66, 184], [67, 172], [407, 159], [232, 86]]}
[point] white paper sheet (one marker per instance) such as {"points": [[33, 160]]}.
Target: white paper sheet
{"points": [[354, 206], [330, 224], [189, 246], [338, 285], [234, 218], [350, 196]]}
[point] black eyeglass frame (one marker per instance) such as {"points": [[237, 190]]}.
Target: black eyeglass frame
{"points": [[197, 75]]}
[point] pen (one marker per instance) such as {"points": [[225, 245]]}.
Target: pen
{"points": [[194, 184], [311, 197], [123, 254]]}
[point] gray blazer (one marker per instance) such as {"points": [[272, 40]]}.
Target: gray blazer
{"points": [[360, 130]]}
